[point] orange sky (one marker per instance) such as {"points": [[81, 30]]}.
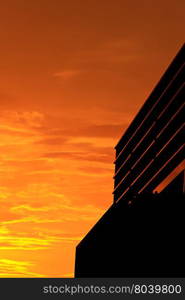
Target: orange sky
{"points": [[72, 76]]}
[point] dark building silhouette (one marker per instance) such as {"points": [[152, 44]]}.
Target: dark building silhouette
{"points": [[142, 233]]}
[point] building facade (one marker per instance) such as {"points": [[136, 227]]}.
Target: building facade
{"points": [[141, 234]]}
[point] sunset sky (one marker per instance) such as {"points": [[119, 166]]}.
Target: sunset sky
{"points": [[72, 76]]}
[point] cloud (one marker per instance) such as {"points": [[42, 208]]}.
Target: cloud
{"points": [[104, 130], [14, 268], [21, 120], [53, 140], [23, 243], [86, 208], [11, 240], [59, 213], [4, 230], [40, 158], [4, 193], [95, 156], [25, 207], [8, 130], [96, 170], [68, 74], [31, 220], [109, 54], [90, 130], [42, 190]]}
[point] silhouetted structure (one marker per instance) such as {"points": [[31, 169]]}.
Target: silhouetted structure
{"points": [[142, 233]]}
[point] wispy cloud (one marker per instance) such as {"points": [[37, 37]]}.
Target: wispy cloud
{"points": [[40, 212], [68, 74], [33, 243], [14, 268]]}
